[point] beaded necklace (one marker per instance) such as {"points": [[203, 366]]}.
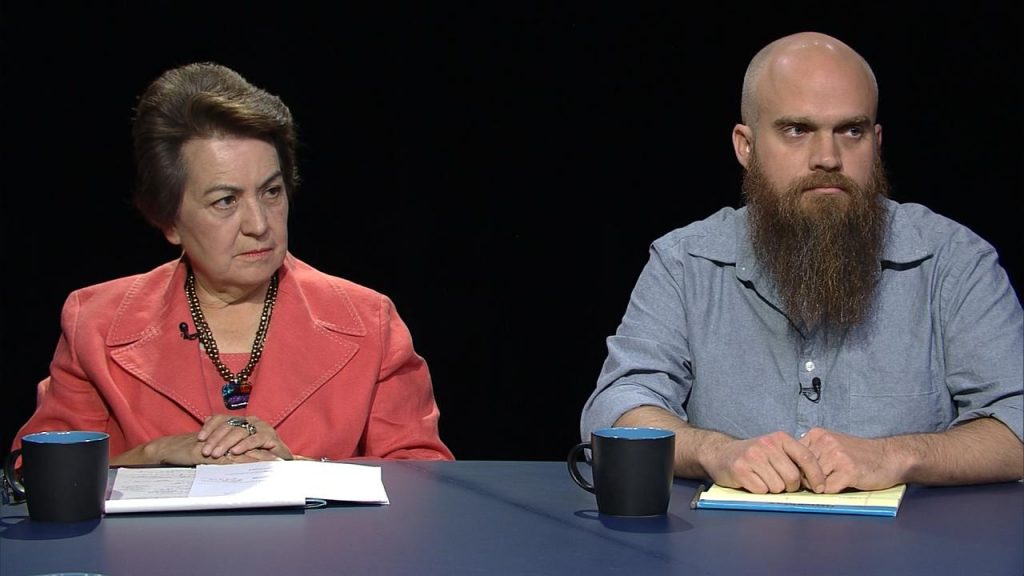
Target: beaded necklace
{"points": [[237, 387]]}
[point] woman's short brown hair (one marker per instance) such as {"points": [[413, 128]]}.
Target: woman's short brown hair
{"points": [[201, 100]]}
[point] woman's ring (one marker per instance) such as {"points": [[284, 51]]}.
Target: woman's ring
{"points": [[242, 423]]}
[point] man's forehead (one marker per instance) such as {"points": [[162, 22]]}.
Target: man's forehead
{"points": [[821, 95]]}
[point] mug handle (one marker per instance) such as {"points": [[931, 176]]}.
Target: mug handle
{"points": [[11, 477], [574, 471]]}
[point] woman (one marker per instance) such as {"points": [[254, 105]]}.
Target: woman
{"points": [[237, 351]]}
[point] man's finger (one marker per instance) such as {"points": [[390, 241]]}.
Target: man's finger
{"points": [[810, 468]]}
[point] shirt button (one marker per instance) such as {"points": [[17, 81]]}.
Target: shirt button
{"points": [[809, 366]]}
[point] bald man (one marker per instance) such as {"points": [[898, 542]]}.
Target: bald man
{"points": [[823, 336]]}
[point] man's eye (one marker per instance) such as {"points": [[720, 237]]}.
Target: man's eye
{"points": [[274, 191], [795, 130]]}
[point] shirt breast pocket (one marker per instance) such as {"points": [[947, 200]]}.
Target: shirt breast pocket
{"points": [[888, 403]]}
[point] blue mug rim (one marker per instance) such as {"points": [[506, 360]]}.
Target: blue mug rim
{"points": [[633, 433], [65, 437]]}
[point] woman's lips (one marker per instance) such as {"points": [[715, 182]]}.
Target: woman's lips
{"points": [[256, 253]]}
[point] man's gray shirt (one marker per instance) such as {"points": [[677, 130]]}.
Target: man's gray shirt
{"points": [[704, 337]]}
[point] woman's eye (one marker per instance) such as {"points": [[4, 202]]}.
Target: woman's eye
{"points": [[225, 202], [274, 194]]}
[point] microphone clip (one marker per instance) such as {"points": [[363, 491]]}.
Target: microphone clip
{"points": [[813, 392]]}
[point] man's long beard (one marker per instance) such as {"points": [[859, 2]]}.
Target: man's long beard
{"points": [[823, 252]]}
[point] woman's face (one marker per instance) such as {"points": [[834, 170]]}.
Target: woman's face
{"points": [[233, 221]]}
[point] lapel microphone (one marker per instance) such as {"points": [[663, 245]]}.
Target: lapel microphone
{"points": [[184, 333], [812, 393]]}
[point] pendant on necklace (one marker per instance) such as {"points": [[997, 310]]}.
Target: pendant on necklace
{"points": [[236, 393]]}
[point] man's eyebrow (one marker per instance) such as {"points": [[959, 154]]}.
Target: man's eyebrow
{"points": [[860, 120], [783, 121]]}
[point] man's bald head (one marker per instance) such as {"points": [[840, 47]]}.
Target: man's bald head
{"points": [[797, 49]]}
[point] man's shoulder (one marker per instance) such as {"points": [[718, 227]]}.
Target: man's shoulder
{"points": [[722, 221], [717, 230], [918, 226], [919, 215]]}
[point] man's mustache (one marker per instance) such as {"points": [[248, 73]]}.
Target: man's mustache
{"points": [[824, 180]]}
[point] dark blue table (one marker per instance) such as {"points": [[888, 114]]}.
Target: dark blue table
{"points": [[529, 518]]}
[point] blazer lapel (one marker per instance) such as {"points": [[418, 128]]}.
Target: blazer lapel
{"points": [[305, 347], [147, 342]]}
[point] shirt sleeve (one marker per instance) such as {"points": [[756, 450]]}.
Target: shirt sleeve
{"points": [[983, 338], [649, 361]]}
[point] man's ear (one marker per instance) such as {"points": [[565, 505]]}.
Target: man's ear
{"points": [[742, 143], [878, 137]]}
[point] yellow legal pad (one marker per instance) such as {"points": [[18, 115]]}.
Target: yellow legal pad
{"points": [[869, 502]]}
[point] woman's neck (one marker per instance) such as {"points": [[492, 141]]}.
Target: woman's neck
{"points": [[233, 316]]}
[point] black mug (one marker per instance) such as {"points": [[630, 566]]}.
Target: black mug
{"points": [[632, 470], [63, 474]]}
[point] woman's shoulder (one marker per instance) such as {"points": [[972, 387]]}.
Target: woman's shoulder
{"points": [[334, 301], [320, 287], [129, 303], [115, 290]]}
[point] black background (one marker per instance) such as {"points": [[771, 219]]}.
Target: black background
{"points": [[498, 170]]}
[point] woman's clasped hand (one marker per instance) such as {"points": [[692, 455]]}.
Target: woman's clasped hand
{"points": [[223, 439]]}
